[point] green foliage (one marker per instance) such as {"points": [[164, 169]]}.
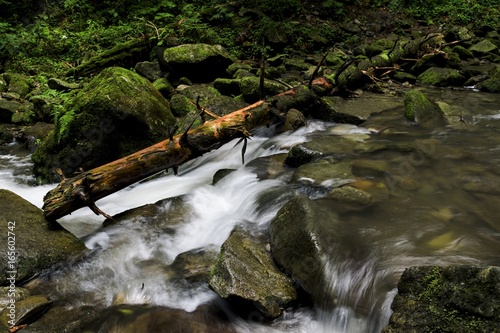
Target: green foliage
{"points": [[478, 12]]}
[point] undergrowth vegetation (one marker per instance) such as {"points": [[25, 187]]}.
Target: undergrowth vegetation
{"points": [[53, 36]]}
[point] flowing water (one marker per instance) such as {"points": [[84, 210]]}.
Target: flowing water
{"points": [[437, 207]]}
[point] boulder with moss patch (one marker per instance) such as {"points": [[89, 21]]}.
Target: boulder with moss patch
{"points": [[117, 113], [37, 246], [447, 299], [441, 77], [419, 109], [193, 60]]}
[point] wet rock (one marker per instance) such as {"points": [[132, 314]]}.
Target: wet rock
{"points": [[301, 234], [29, 310], [117, 113], [250, 88], [37, 247], [484, 46], [300, 154], [441, 77], [245, 270], [294, 120], [192, 61], [194, 266], [492, 84], [419, 109], [324, 172], [149, 69], [447, 299], [351, 195], [58, 84], [8, 293], [329, 111]]}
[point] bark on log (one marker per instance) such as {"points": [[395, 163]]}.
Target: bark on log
{"points": [[92, 185]]}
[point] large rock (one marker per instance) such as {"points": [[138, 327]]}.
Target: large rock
{"points": [[198, 62], [116, 114], [37, 247], [447, 299], [245, 270], [441, 77], [492, 83], [303, 233], [482, 47], [419, 109]]}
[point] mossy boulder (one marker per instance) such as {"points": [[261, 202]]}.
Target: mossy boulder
{"points": [[378, 46], [447, 299], [17, 84], [441, 77], [29, 309], [117, 113], [246, 271], [250, 88], [37, 247], [419, 109], [483, 47], [302, 234], [492, 84], [198, 62]]}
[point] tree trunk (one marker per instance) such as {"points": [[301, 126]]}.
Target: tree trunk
{"points": [[92, 185]]}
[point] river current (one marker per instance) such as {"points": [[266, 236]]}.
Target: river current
{"points": [[438, 208]]}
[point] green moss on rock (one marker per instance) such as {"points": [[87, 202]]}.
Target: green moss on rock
{"points": [[37, 247], [117, 113], [441, 77], [447, 299], [420, 109]]}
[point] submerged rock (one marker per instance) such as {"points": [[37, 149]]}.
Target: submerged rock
{"points": [[420, 109], [447, 299], [245, 270], [135, 318], [37, 247], [492, 83], [117, 113]]}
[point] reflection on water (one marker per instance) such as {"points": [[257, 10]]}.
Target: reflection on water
{"points": [[437, 203]]}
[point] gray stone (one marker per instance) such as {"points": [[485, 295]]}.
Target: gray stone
{"points": [[302, 234], [245, 270]]}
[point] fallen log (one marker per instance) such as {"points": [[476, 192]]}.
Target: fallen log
{"points": [[89, 186]]}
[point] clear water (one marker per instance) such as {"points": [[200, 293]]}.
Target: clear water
{"points": [[443, 219]]}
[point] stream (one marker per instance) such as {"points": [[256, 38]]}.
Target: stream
{"points": [[438, 207]]}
